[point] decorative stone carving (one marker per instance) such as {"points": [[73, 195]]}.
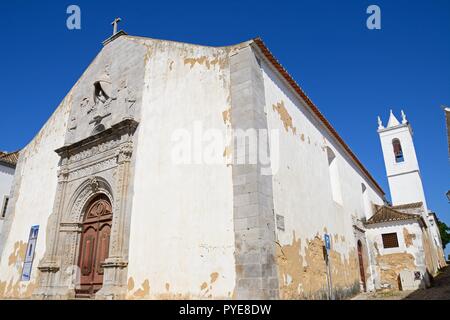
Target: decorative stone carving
{"points": [[126, 94], [73, 123], [84, 103], [125, 152], [102, 160], [88, 152], [90, 170], [93, 183]]}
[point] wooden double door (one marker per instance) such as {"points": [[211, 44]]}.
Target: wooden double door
{"points": [[94, 246]]}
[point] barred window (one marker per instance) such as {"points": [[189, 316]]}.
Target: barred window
{"points": [[390, 240]]}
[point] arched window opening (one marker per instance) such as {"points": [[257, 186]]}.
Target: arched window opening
{"points": [[100, 93], [366, 202], [334, 176], [398, 152]]}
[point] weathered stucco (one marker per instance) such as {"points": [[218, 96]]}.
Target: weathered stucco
{"points": [[390, 266], [410, 255], [303, 196], [31, 205], [197, 230], [182, 213], [305, 276]]}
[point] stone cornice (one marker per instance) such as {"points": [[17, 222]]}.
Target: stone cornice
{"points": [[127, 125]]}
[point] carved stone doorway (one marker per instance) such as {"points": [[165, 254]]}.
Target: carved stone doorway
{"points": [[94, 245], [361, 265]]}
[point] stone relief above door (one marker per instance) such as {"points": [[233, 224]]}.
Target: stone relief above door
{"points": [[98, 103]]}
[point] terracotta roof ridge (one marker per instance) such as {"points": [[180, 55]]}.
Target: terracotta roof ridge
{"points": [[388, 214], [10, 157], [265, 50]]}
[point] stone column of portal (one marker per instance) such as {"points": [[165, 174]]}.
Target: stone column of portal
{"points": [[254, 223], [50, 264], [115, 275]]}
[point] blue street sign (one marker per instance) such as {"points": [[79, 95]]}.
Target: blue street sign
{"points": [[327, 242]]}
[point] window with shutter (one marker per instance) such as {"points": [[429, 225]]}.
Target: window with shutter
{"points": [[390, 240]]}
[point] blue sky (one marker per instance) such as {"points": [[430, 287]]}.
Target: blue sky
{"points": [[353, 74]]}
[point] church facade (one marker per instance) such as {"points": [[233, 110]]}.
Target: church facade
{"points": [[120, 196]]}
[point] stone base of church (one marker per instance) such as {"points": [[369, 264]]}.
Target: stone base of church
{"points": [[111, 293], [54, 294]]}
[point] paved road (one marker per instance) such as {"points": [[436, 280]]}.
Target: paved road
{"points": [[439, 291]]}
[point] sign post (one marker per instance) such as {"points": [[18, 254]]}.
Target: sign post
{"points": [[328, 263]]}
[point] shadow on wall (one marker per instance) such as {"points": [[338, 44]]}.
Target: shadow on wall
{"points": [[440, 289]]}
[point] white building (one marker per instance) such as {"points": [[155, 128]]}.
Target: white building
{"points": [[407, 248], [8, 163], [120, 195]]}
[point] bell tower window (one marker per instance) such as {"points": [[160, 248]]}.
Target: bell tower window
{"points": [[398, 152]]}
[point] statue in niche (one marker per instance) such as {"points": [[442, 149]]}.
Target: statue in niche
{"points": [[102, 101], [99, 92], [103, 93]]}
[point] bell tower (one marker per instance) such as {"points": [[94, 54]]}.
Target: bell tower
{"points": [[402, 167]]}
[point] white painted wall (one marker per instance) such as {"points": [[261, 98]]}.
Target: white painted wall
{"points": [[302, 186], [182, 221], [38, 172], [6, 179], [374, 235]]}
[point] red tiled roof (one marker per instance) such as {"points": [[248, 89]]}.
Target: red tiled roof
{"points": [[387, 214], [314, 109], [10, 158]]}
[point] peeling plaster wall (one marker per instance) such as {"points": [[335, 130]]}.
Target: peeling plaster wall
{"points": [[121, 65], [182, 236], [410, 254], [303, 196], [436, 242], [33, 195]]}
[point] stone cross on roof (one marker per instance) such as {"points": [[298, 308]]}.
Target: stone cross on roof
{"points": [[114, 24]]}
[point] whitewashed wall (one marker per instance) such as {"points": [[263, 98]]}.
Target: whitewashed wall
{"points": [[32, 203], [404, 177], [182, 238], [302, 187], [415, 248]]}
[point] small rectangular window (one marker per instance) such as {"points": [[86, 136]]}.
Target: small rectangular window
{"points": [[4, 206], [390, 240]]}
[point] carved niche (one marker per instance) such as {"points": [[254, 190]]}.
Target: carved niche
{"points": [[102, 100]]}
